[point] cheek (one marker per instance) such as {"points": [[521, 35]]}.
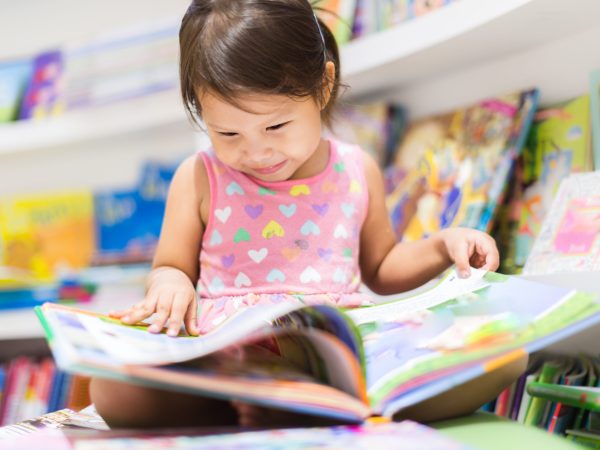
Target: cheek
{"points": [[226, 153]]}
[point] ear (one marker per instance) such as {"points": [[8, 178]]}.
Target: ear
{"points": [[328, 82]]}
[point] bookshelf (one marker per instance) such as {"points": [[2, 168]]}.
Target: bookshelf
{"points": [[144, 114], [462, 34], [22, 324], [445, 59]]}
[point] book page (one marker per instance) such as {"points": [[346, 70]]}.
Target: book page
{"points": [[451, 286], [417, 353], [84, 338], [307, 371]]}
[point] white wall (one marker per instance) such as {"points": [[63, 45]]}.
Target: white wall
{"points": [[26, 26]]}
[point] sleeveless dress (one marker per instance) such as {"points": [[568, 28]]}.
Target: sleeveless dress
{"points": [[287, 241]]}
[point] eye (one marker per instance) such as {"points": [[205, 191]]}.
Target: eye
{"points": [[227, 133], [278, 126]]}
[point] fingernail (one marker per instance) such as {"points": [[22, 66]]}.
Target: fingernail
{"points": [[172, 332], [153, 328], [464, 273], [125, 318]]}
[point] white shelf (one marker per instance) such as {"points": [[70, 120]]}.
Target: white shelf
{"points": [[463, 34], [119, 118], [24, 324]]}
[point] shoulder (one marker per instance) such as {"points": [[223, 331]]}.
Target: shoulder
{"points": [[367, 164], [354, 151], [191, 181], [192, 169]]}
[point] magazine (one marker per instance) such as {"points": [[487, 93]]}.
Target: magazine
{"points": [[328, 361]]}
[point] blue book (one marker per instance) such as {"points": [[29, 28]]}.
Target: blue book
{"points": [[27, 297], [128, 222], [14, 78], [57, 382]]}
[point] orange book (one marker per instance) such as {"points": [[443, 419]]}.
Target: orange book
{"points": [[79, 393]]}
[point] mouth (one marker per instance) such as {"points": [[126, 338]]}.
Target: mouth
{"points": [[270, 169]]}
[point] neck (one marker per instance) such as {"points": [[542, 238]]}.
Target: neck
{"points": [[315, 164]]}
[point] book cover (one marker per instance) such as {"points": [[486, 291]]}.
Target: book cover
{"points": [[128, 222], [47, 232], [14, 78], [44, 94], [559, 144], [569, 238], [368, 361], [456, 165], [375, 127]]}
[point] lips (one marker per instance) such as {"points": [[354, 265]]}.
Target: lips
{"points": [[270, 169]]}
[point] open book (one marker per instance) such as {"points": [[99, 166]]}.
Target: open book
{"points": [[344, 364]]}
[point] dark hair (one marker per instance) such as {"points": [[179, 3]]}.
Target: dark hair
{"points": [[231, 47]]}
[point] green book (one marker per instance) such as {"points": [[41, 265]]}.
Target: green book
{"points": [[580, 396], [550, 373]]}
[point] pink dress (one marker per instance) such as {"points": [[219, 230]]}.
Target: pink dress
{"points": [[292, 241]]}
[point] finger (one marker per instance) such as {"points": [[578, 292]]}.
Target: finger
{"points": [[117, 314], [140, 311], [490, 254], [461, 259], [163, 310], [120, 313], [191, 319], [178, 310]]}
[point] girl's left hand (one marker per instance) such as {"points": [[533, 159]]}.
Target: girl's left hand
{"points": [[467, 248]]}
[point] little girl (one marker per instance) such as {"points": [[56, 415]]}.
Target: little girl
{"points": [[273, 211]]}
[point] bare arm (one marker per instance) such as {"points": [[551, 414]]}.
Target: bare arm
{"points": [[388, 267], [170, 287]]}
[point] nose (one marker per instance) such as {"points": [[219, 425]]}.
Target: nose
{"points": [[259, 152]]}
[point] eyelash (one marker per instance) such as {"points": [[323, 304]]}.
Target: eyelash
{"points": [[278, 126], [272, 128]]}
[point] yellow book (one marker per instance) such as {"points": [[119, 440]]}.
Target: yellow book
{"points": [[41, 233]]}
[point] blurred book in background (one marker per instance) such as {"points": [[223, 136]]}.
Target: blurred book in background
{"points": [[452, 169], [569, 239], [14, 78]]}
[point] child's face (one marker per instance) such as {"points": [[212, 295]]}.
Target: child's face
{"points": [[270, 137]]}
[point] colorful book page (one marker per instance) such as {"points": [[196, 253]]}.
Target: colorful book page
{"points": [[569, 239]]}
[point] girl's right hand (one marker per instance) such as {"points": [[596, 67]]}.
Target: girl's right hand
{"points": [[171, 295]]}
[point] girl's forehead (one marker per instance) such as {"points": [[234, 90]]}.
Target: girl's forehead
{"points": [[250, 103]]}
